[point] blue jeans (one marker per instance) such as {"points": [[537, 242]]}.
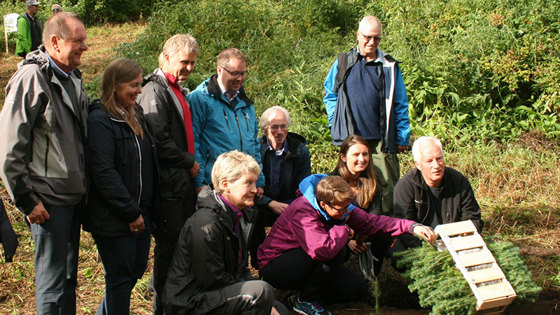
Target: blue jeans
{"points": [[57, 242], [124, 259]]}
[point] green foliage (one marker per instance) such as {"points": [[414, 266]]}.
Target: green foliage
{"points": [[475, 70], [441, 285], [507, 257], [105, 11]]}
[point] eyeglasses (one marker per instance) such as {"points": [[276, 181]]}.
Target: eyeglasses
{"points": [[236, 73], [339, 209], [370, 37], [276, 127]]}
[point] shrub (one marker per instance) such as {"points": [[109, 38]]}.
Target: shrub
{"points": [[475, 71]]}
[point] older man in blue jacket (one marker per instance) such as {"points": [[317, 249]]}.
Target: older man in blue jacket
{"points": [[365, 95]]}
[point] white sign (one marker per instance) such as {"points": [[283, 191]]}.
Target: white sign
{"points": [[10, 22]]}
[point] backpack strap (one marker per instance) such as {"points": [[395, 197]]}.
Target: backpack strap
{"points": [[341, 68]]}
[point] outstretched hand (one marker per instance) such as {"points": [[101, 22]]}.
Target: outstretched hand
{"points": [[425, 233]]}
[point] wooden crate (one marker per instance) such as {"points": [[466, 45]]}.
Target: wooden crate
{"points": [[492, 290]]}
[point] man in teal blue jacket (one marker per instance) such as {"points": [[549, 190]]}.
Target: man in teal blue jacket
{"points": [[224, 117], [29, 30], [365, 95]]}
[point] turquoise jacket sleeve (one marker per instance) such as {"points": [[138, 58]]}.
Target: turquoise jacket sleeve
{"points": [[400, 105], [330, 94]]}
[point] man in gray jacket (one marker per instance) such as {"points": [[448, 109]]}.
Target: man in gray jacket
{"points": [[43, 126], [168, 116]]}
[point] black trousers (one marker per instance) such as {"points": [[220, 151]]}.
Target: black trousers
{"points": [[167, 227], [328, 281]]}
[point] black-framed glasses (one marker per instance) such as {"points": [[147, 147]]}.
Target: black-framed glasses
{"points": [[370, 37], [236, 73], [339, 209]]}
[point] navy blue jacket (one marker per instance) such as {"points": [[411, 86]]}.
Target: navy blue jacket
{"points": [[114, 165], [296, 167]]}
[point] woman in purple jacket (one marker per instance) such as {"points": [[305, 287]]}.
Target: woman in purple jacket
{"points": [[306, 248]]}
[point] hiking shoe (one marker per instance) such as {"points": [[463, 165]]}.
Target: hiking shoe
{"points": [[308, 308]]}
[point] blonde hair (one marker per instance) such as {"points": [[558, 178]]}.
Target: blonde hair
{"points": [[367, 185], [120, 70], [231, 166], [334, 190]]}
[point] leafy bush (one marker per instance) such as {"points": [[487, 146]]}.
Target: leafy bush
{"points": [[475, 71], [104, 11]]}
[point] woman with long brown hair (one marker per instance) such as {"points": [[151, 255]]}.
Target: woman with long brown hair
{"points": [[355, 168], [121, 164]]}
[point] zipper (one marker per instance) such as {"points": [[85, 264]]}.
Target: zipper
{"points": [[47, 154], [247, 120], [139, 165], [239, 130], [227, 122]]}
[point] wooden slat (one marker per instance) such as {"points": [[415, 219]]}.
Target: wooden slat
{"points": [[485, 275], [474, 259], [495, 291], [457, 228], [466, 242], [494, 303]]}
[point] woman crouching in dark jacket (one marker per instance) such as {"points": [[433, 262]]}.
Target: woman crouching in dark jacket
{"points": [[121, 162]]}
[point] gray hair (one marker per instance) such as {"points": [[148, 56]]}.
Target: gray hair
{"points": [[231, 166], [421, 142], [369, 20], [179, 42], [58, 25], [269, 115]]}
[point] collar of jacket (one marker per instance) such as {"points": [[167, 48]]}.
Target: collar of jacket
{"points": [[214, 90], [40, 57], [293, 140]]}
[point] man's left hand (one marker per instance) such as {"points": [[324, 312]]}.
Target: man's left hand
{"points": [[403, 148]]}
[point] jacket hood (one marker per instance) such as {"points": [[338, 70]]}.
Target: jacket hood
{"points": [[41, 58], [307, 189]]}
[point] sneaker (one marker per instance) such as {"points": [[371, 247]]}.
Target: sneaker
{"points": [[308, 308]]}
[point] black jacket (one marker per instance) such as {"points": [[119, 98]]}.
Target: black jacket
{"points": [[164, 117], [114, 166], [205, 259], [412, 198], [297, 166]]}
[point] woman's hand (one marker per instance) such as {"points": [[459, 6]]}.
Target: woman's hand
{"points": [[355, 248], [137, 225], [425, 232]]}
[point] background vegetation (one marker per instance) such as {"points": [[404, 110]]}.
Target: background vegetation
{"points": [[482, 76]]}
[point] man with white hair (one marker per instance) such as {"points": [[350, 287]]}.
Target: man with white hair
{"points": [[365, 95], [433, 194], [286, 162]]}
